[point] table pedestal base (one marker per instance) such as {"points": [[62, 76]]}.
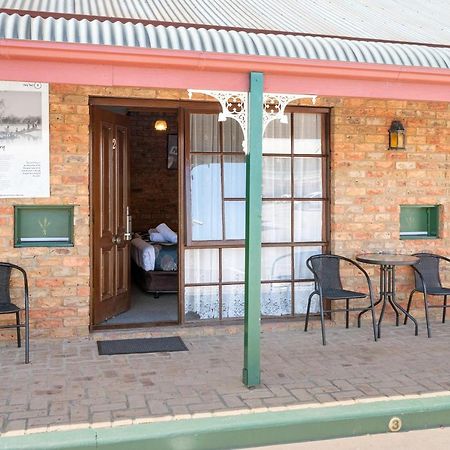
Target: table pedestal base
{"points": [[387, 295]]}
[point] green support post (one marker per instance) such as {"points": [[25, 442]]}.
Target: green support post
{"points": [[252, 318]]}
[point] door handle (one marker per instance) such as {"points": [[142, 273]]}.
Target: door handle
{"points": [[117, 240], [128, 232]]}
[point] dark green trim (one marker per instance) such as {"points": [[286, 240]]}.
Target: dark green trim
{"points": [[247, 430], [417, 238], [253, 211], [62, 226]]}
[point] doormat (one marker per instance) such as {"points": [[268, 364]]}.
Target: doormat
{"points": [[144, 345]]}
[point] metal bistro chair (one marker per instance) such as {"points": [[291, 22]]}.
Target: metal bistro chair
{"points": [[328, 286], [7, 307], [428, 282]]}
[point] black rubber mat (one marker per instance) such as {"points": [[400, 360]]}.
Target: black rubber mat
{"points": [[144, 345]]}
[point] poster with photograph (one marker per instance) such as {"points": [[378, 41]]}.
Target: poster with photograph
{"points": [[172, 151], [24, 140]]}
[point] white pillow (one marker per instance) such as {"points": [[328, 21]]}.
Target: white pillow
{"points": [[156, 237], [168, 234]]}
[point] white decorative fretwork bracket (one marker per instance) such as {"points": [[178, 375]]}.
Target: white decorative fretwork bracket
{"points": [[275, 104], [234, 105]]}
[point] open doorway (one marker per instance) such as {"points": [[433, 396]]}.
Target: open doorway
{"points": [[135, 206]]}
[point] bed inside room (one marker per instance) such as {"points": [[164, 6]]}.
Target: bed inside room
{"points": [[154, 206]]}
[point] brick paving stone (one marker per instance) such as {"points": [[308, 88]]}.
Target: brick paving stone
{"points": [[179, 410], [136, 401], [38, 403], [233, 401], [257, 394], [38, 422], [206, 407], [57, 408], [181, 401], [86, 389], [347, 395], [431, 385], [389, 392], [254, 403], [130, 414], [302, 395], [367, 389], [28, 414], [324, 398], [279, 401], [278, 390], [410, 390], [158, 407], [79, 413], [343, 385], [323, 390], [58, 420], [15, 426], [99, 407]]}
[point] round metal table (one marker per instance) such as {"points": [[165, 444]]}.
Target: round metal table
{"points": [[387, 263]]}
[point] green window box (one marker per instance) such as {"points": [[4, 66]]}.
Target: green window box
{"points": [[419, 221], [43, 226]]}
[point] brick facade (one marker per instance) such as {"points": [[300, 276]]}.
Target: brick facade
{"points": [[368, 183]]}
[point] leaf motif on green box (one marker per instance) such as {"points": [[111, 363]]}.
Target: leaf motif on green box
{"points": [[43, 226]]}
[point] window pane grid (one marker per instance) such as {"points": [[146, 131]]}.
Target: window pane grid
{"points": [[285, 277], [223, 220]]}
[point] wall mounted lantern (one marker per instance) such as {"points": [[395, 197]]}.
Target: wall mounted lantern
{"points": [[161, 125], [397, 136]]}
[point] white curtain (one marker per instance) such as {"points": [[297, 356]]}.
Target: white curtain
{"points": [[307, 133], [206, 194], [204, 133], [206, 198]]}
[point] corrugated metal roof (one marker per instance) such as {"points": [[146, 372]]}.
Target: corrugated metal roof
{"points": [[399, 20], [15, 26]]}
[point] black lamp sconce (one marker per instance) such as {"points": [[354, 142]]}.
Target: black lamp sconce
{"points": [[397, 136]]}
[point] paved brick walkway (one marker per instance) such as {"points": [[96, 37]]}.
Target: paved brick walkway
{"points": [[69, 385]]}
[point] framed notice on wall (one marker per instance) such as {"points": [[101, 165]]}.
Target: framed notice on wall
{"points": [[24, 140], [172, 151]]}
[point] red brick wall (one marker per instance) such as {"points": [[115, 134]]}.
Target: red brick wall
{"points": [[154, 187], [368, 185]]}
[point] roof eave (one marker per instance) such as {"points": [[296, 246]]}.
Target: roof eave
{"points": [[390, 77]]}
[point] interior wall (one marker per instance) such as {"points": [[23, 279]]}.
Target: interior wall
{"points": [[154, 187]]}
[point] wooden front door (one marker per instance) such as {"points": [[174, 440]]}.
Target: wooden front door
{"points": [[109, 206]]}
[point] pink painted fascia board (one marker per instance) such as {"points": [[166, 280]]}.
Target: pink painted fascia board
{"points": [[129, 66]]}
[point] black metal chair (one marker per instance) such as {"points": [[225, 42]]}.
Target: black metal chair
{"points": [[428, 282], [328, 286], [8, 307]]}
